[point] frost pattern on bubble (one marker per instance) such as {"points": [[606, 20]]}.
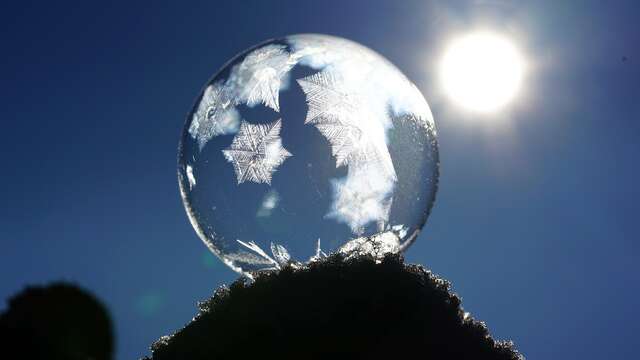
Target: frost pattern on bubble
{"points": [[363, 196], [214, 116], [256, 152], [259, 78], [190, 177], [281, 254], [333, 111], [328, 97], [319, 253], [346, 188], [341, 112], [382, 80], [319, 51], [350, 101], [258, 257], [377, 245]]}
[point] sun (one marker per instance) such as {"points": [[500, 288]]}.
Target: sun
{"points": [[482, 71]]}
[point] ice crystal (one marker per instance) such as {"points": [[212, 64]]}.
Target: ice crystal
{"points": [[328, 97], [377, 245], [341, 113], [190, 177], [255, 248], [256, 152], [280, 254], [320, 51], [333, 111], [383, 82], [360, 199], [339, 110], [259, 77], [214, 116], [245, 257], [319, 253], [343, 138]]}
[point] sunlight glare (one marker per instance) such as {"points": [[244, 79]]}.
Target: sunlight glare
{"points": [[482, 71]]}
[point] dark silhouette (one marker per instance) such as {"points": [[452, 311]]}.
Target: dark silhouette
{"points": [[56, 322], [335, 308]]}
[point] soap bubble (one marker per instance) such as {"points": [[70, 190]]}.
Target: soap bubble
{"points": [[304, 146]]}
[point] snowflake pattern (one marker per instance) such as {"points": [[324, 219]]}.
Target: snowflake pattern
{"points": [[280, 254], [215, 116], [256, 152], [260, 75], [328, 97], [342, 113], [333, 111]]}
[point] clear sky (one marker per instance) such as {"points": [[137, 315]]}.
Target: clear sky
{"points": [[535, 223]]}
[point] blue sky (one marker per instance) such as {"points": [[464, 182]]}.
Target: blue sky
{"points": [[534, 224]]}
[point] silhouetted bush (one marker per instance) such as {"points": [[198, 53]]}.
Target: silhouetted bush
{"points": [[335, 308], [56, 322]]}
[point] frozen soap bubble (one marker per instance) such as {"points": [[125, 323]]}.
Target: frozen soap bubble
{"points": [[303, 146]]}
